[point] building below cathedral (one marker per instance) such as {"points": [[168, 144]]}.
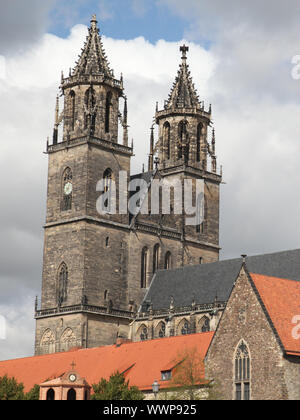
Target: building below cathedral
{"points": [[254, 353]]}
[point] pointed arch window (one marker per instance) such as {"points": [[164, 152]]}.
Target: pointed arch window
{"points": [[108, 178], [67, 190], [108, 105], [168, 261], [181, 130], [143, 333], [161, 330], [156, 256], [90, 109], [201, 213], [72, 110], [199, 137], [167, 138], [185, 328], [144, 268], [63, 278], [205, 324], [242, 372]]}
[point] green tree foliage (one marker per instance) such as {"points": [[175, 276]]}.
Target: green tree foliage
{"points": [[33, 394], [10, 389], [116, 388]]}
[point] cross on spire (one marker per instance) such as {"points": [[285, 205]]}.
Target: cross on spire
{"points": [[184, 49]]}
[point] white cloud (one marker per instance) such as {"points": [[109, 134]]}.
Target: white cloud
{"points": [[247, 77]]}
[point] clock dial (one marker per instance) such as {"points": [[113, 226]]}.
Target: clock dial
{"points": [[68, 188], [72, 377]]}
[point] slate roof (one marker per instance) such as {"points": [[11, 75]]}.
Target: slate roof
{"points": [[203, 283]]}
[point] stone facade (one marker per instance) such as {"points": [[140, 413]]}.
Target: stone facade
{"points": [[94, 272], [272, 375]]}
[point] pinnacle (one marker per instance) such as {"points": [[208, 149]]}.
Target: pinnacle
{"points": [[93, 60], [183, 93]]}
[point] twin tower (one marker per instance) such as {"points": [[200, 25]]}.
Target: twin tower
{"points": [[97, 267]]}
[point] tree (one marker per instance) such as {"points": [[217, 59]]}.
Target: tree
{"points": [[188, 378], [10, 389], [116, 388], [33, 394]]}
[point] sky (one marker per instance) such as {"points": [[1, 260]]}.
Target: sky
{"points": [[241, 62]]}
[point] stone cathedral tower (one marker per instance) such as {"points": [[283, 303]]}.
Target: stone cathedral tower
{"points": [[97, 268]]}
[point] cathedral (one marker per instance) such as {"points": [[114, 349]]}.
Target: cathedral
{"points": [[97, 268], [129, 291]]}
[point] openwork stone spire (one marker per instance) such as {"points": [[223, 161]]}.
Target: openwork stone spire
{"points": [[93, 60], [183, 93]]}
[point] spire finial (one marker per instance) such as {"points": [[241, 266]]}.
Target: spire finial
{"points": [[184, 49]]}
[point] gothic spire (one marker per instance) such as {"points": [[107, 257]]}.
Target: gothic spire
{"points": [[93, 60], [183, 93]]}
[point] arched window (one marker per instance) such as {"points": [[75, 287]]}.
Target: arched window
{"points": [[67, 340], [108, 111], [108, 178], [160, 330], [156, 252], [47, 344], [72, 110], [168, 261], [63, 277], [67, 190], [143, 333], [184, 327], [144, 268], [181, 130], [50, 395], [107, 242], [242, 372], [204, 324], [90, 109], [71, 396], [199, 137], [166, 140], [201, 213]]}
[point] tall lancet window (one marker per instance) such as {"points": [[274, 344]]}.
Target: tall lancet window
{"points": [[90, 109], [72, 110], [144, 268], [67, 190], [63, 276], [156, 255], [108, 178], [108, 111], [199, 137], [242, 373], [181, 130], [166, 137], [168, 261]]}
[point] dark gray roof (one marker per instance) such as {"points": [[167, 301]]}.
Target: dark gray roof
{"points": [[203, 283]]}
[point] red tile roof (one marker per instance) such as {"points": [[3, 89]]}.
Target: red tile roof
{"points": [[281, 298], [143, 360]]}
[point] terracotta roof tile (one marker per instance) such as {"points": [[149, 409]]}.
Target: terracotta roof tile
{"points": [[147, 359], [281, 298]]}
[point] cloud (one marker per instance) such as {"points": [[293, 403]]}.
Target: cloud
{"points": [[28, 93], [246, 75], [22, 23]]}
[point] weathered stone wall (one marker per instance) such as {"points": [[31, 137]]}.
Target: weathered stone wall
{"points": [[244, 319]]}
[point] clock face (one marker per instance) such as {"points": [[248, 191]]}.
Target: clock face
{"points": [[72, 377], [68, 188]]}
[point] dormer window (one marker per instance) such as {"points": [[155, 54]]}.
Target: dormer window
{"points": [[166, 375]]}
